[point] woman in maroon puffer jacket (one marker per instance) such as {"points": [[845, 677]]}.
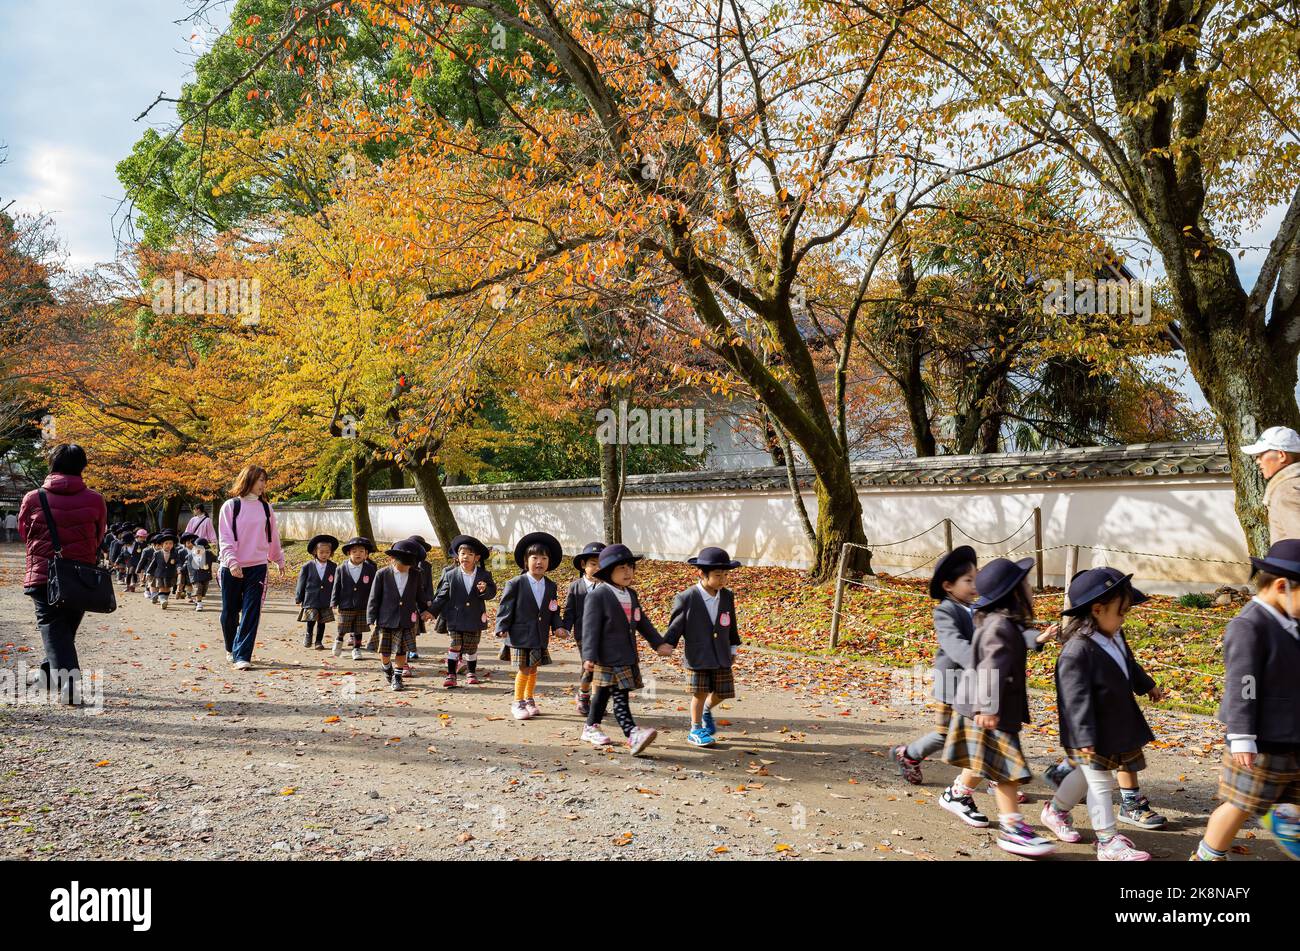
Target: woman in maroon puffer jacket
{"points": [[80, 517]]}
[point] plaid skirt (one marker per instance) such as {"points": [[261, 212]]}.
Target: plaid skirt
{"points": [[624, 678], [466, 642], [531, 657], [1274, 779], [395, 641], [352, 622], [1132, 761], [942, 718], [315, 615], [992, 754], [718, 681]]}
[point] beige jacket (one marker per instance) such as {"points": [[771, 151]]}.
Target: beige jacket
{"points": [[1282, 497]]}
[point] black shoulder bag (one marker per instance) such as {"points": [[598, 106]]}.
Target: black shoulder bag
{"points": [[75, 585]]}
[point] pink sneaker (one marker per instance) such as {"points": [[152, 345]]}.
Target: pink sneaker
{"points": [[518, 710], [1060, 823], [641, 738], [532, 707], [595, 736], [1120, 849]]}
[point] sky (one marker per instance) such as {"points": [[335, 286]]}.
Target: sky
{"points": [[78, 72]]}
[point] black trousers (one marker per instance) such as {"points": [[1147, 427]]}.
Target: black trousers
{"points": [[61, 668]]}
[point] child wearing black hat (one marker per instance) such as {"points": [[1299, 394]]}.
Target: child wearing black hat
{"points": [[528, 613], [183, 581], [425, 573], [315, 588], [1102, 728], [1260, 710], [611, 619], [397, 603], [164, 566], [992, 703], [144, 567], [953, 586], [705, 615], [351, 593], [587, 562], [202, 558], [461, 603]]}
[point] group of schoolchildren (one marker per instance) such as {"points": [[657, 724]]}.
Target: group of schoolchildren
{"points": [[601, 611], [985, 625], [160, 565]]}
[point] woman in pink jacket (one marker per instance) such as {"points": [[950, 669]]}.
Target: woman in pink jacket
{"points": [[80, 517], [248, 540]]}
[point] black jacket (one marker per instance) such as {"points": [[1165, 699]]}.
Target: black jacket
{"points": [[608, 638], [574, 601], [708, 644], [201, 561], [459, 610], [424, 571], [144, 560], [996, 682], [1261, 679], [314, 591], [1095, 700], [521, 620], [164, 566], [388, 609], [349, 595]]}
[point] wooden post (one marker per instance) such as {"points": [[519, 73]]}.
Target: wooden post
{"points": [[1071, 566], [947, 534], [1038, 547], [839, 597]]}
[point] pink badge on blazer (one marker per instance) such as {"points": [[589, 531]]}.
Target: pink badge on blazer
{"points": [[414, 617], [365, 579], [724, 619], [555, 605], [636, 615]]}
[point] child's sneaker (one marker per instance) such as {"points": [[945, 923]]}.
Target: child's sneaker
{"points": [[1120, 849], [1060, 823], [413, 655], [1055, 775], [338, 648], [1284, 822], [707, 723], [1140, 814], [519, 710], [462, 666], [583, 702], [992, 790], [388, 674], [472, 679], [641, 738], [910, 768], [963, 807], [230, 657], [162, 603], [356, 653], [397, 681], [532, 707], [595, 736], [697, 737], [1021, 839], [306, 640], [450, 681], [198, 606]]}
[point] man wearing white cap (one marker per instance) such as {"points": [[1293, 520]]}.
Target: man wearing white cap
{"points": [[1277, 453]]}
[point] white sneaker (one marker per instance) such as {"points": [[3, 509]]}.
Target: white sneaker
{"points": [[641, 738], [198, 606], [1120, 849], [230, 657], [356, 653], [163, 604], [242, 665], [519, 710], [338, 648], [595, 736]]}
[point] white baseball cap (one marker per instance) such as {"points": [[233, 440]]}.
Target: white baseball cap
{"points": [[1280, 438]]}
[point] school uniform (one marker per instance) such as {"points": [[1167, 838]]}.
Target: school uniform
{"points": [[395, 609], [527, 615], [461, 608], [163, 568], [1261, 709], [144, 563], [709, 626], [351, 594], [183, 581], [1095, 687], [994, 684], [609, 636], [201, 561], [314, 591]]}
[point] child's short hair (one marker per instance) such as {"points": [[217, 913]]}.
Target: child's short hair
{"points": [[1263, 579], [1082, 625], [537, 548], [957, 571]]}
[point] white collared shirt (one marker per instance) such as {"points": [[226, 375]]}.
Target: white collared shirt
{"points": [[468, 580], [1113, 647], [401, 577], [538, 585], [320, 568], [354, 570], [710, 601]]}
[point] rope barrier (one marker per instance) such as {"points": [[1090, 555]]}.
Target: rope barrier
{"points": [[980, 541]]}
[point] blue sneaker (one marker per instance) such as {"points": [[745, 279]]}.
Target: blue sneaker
{"points": [[706, 721], [1284, 822], [698, 737]]}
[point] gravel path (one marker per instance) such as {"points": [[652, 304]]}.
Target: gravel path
{"points": [[307, 756]]}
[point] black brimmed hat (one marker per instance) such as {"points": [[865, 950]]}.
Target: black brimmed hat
{"points": [[406, 549], [547, 540], [165, 536], [454, 548], [590, 550], [713, 559], [614, 555], [424, 546], [947, 567], [1098, 585], [365, 543], [999, 578], [1283, 559], [317, 539], [188, 537]]}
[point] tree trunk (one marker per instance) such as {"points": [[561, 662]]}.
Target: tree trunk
{"points": [[362, 469], [428, 481], [839, 521], [171, 514], [611, 493]]}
